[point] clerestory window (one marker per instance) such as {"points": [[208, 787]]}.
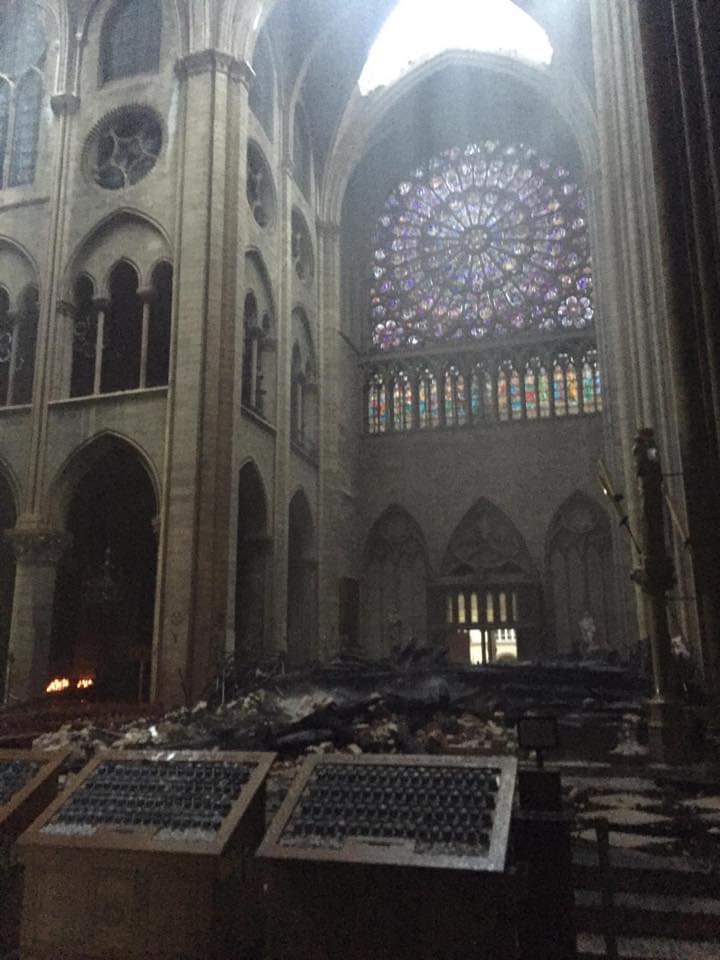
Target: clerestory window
{"points": [[23, 48], [131, 38]]}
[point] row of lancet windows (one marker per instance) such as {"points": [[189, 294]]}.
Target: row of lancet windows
{"points": [[122, 343], [400, 401], [490, 609]]}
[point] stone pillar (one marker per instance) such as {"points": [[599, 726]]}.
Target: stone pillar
{"points": [[65, 107], [195, 540], [281, 508], [333, 506], [634, 335], [147, 297], [681, 60], [37, 552], [102, 308]]}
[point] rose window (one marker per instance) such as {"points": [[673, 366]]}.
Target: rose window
{"points": [[481, 241], [125, 147]]}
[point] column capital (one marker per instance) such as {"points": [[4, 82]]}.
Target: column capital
{"points": [[38, 546], [65, 104], [214, 61], [147, 294]]}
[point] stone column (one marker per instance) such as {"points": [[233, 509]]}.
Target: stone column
{"points": [[278, 631], [195, 541], [681, 59], [147, 297], [37, 552], [634, 335], [102, 308], [339, 421], [65, 107]]}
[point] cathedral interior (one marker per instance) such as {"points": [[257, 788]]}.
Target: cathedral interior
{"points": [[328, 328]]}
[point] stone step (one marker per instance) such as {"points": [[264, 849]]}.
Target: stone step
{"points": [[637, 915], [591, 946]]}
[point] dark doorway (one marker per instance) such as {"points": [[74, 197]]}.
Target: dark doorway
{"points": [[7, 576], [302, 582], [252, 551], [105, 596]]}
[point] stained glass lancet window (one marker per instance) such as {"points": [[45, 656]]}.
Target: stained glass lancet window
{"points": [[377, 405], [455, 398], [23, 45], [402, 402], [573, 396], [428, 403], [487, 240], [531, 400]]}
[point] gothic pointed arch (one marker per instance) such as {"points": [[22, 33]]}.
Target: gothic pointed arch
{"points": [[104, 609], [579, 559], [19, 306], [253, 553], [489, 586], [394, 583], [488, 543]]}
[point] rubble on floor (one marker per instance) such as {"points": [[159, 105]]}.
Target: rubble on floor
{"points": [[414, 704]]}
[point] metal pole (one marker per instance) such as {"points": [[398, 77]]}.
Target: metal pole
{"points": [[656, 577]]}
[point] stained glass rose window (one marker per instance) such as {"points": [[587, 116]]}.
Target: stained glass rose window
{"points": [[487, 240]]}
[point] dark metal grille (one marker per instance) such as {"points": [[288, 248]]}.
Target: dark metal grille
{"points": [[15, 775], [185, 798], [444, 810]]}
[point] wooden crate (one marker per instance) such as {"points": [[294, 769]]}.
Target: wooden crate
{"points": [[36, 789], [384, 885], [106, 890]]}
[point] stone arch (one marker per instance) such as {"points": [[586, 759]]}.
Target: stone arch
{"points": [[125, 234], [393, 590], [253, 555], [82, 459], [302, 581], [364, 117], [488, 543], [104, 609], [489, 582], [18, 270], [580, 576]]}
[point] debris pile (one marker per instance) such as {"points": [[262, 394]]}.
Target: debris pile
{"points": [[412, 704]]}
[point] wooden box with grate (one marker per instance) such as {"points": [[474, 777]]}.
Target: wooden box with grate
{"points": [[157, 846], [28, 783], [391, 858]]}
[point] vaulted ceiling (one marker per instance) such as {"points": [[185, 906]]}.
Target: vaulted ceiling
{"points": [[325, 43]]}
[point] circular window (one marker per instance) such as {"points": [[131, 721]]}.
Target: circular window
{"points": [[124, 147]]}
